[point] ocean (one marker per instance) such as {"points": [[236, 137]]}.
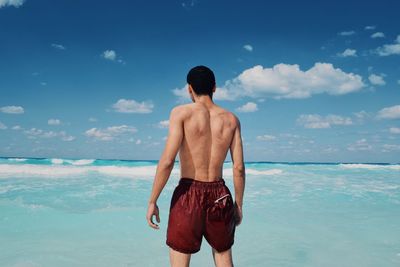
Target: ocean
{"points": [[63, 212]]}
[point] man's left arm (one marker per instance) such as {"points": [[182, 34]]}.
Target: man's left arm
{"points": [[166, 163]]}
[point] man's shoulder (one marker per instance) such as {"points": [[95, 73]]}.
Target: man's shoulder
{"points": [[181, 108], [231, 116]]}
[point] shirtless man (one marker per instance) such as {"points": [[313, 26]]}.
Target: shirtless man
{"points": [[201, 204]]}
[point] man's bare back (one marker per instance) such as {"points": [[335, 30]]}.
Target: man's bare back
{"points": [[208, 134]]}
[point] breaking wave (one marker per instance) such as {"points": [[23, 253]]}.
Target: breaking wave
{"points": [[369, 166], [80, 169]]}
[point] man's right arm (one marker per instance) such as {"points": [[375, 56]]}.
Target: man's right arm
{"points": [[238, 168]]}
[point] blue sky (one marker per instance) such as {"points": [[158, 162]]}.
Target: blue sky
{"points": [[96, 79]]}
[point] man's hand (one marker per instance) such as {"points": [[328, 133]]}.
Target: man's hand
{"points": [[153, 211], [238, 214]]}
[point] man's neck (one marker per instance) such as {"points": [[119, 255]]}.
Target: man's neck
{"points": [[205, 100]]}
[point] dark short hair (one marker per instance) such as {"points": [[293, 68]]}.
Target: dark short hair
{"points": [[202, 80]]}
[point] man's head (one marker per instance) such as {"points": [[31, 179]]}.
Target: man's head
{"points": [[202, 81]]}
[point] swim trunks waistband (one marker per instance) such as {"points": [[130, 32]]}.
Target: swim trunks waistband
{"points": [[194, 182]]}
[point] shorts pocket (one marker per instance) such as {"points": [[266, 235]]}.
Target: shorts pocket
{"points": [[221, 209]]}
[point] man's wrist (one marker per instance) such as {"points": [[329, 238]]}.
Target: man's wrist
{"points": [[152, 202]]}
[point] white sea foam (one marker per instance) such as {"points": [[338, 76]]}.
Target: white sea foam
{"points": [[142, 171], [17, 159], [369, 166], [228, 172], [59, 170], [264, 172], [57, 161], [31, 170], [78, 162], [81, 161]]}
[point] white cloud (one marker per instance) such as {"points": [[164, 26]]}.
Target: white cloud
{"points": [[220, 94], [2, 126], [163, 124], [14, 3], [371, 27], [53, 122], [188, 4], [248, 47], [362, 115], [248, 107], [392, 112], [390, 49], [58, 46], [348, 53], [266, 137], [315, 121], [398, 81], [288, 81], [338, 120], [12, 109], [359, 145], [330, 150], [17, 128], [138, 142], [312, 121], [92, 119], [110, 133], [34, 133], [182, 94], [68, 138], [289, 135], [394, 130], [112, 56], [131, 106], [376, 79], [378, 35], [109, 55], [390, 147], [347, 33]]}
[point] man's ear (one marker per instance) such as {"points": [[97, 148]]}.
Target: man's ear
{"points": [[190, 90], [215, 87], [191, 93]]}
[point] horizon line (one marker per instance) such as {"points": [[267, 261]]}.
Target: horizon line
{"points": [[248, 162]]}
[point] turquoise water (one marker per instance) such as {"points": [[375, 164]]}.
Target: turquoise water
{"points": [[58, 212]]}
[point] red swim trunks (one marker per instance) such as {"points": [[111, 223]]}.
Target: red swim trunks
{"points": [[201, 208]]}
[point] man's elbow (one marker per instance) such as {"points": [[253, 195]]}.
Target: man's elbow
{"points": [[239, 169], [166, 164]]}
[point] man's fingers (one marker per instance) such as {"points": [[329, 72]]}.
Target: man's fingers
{"points": [[151, 224], [152, 211]]}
